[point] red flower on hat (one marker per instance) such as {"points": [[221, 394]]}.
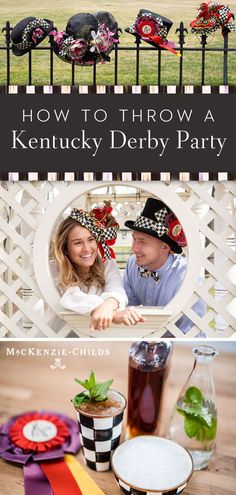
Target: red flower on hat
{"points": [[77, 49], [101, 212], [213, 15], [146, 28], [38, 432], [175, 230]]}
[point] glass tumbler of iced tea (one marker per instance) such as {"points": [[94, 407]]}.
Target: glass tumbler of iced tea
{"points": [[100, 425], [148, 370]]}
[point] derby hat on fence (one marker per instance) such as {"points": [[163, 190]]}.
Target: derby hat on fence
{"points": [[108, 20], [159, 221], [152, 28], [213, 16], [80, 25], [28, 33], [88, 39]]}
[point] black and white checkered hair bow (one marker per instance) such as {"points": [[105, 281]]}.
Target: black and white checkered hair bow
{"points": [[100, 233], [159, 226], [145, 273]]}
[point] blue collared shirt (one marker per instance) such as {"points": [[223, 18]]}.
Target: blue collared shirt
{"points": [[147, 292]]}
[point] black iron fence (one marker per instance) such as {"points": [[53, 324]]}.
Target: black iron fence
{"points": [[138, 47]]}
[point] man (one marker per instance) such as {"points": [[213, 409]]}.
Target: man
{"points": [[155, 271]]}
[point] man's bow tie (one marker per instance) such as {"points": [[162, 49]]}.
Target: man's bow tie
{"points": [[144, 272]]}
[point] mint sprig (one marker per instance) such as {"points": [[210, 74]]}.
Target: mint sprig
{"points": [[94, 391], [199, 422]]}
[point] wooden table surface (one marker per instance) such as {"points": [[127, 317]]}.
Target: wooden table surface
{"points": [[29, 382]]}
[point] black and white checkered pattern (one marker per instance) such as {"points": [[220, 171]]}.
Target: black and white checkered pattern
{"points": [[161, 215], [147, 223], [100, 233], [224, 11], [129, 490], [145, 273], [64, 50], [37, 23], [29, 29], [116, 176], [218, 17], [99, 437]]}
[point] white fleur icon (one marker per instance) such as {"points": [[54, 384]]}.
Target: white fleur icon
{"points": [[58, 364]]}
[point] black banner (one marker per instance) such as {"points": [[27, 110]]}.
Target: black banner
{"points": [[117, 133]]}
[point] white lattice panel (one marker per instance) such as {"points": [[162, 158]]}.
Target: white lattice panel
{"points": [[29, 301]]}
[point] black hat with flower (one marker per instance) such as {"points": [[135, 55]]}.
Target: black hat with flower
{"points": [[152, 28], [87, 39], [213, 16], [28, 33], [159, 221]]}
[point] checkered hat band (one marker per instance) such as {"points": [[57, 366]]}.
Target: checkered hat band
{"points": [[205, 30], [24, 45], [161, 215], [37, 23], [149, 16], [148, 224], [163, 32], [100, 233]]}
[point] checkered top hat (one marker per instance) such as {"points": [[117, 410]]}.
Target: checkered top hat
{"points": [[102, 226], [88, 38], [159, 221], [28, 33], [213, 16], [147, 23], [152, 28]]}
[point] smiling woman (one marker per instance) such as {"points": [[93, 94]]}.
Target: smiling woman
{"points": [[89, 279]]}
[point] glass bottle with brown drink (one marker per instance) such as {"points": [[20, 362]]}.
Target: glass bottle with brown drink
{"points": [[148, 370]]}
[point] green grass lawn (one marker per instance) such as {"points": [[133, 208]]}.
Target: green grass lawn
{"points": [[125, 13]]}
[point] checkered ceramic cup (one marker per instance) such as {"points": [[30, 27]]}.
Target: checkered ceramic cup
{"points": [[150, 465], [100, 434]]}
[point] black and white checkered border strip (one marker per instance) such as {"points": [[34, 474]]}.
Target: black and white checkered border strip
{"points": [[99, 437], [128, 490], [119, 89], [117, 176]]}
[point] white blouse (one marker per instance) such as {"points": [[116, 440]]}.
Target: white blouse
{"points": [[75, 299]]}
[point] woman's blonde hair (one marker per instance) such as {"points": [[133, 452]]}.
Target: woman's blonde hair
{"points": [[69, 273]]}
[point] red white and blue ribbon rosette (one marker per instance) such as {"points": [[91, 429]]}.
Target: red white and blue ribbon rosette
{"points": [[38, 441]]}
